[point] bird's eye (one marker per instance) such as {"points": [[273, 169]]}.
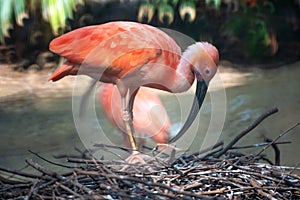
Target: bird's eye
{"points": [[207, 71]]}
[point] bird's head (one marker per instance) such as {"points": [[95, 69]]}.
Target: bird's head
{"points": [[203, 59]]}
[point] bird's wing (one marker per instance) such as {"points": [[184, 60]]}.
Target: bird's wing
{"points": [[120, 46], [132, 60]]}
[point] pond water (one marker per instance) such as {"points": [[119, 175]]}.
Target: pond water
{"points": [[46, 125]]}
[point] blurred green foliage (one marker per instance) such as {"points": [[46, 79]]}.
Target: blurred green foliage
{"points": [[250, 25], [55, 12], [166, 10]]}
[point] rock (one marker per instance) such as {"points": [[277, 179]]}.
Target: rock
{"points": [[8, 54], [50, 65], [34, 68], [44, 58], [21, 66]]}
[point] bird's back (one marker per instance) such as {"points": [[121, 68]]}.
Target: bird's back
{"points": [[119, 46]]}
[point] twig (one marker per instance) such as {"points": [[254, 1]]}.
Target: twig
{"points": [[217, 191], [82, 187], [9, 181], [296, 166], [49, 161], [19, 173], [255, 184], [44, 170], [220, 143], [245, 131], [68, 190], [259, 145], [193, 156], [276, 150], [148, 183], [278, 137], [32, 188]]}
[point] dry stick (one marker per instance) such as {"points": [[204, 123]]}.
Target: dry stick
{"points": [[276, 151], [101, 169], [108, 162], [214, 146], [286, 176], [27, 175], [259, 145], [150, 193], [32, 189], [245, 131], [148, 183], [91, 161], [44, 170], [266, 188], [82, 187], [6, 180], [68, 190], [211, 192], [207, 149], [255, 184], [239, 171], [277, 138], [8, 187], [44, 185], [49, 161]]}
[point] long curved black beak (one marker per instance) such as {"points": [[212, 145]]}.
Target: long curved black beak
{"points": [[200, 93]]}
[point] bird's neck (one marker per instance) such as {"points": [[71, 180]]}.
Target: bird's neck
{"points": [[184, 76]]}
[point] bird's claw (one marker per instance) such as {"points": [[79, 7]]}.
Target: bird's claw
{"points": [[137, 158]]}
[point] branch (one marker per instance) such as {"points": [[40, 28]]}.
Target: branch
{"points": [[19, 173], [276, 150], [278, 137], [44, 170], [245, 131], [259, 145], [49, 161]]}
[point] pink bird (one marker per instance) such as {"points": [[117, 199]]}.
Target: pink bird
{"points": [[130, 55], [151, 117]]}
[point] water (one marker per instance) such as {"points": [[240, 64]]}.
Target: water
{"points": [[263, 90], [46, 125]]}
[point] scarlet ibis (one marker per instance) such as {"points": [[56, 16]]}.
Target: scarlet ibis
{"points": [[151, 117], [130, 55]]}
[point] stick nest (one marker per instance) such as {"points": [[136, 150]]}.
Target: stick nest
{"points": [[213, 173]]}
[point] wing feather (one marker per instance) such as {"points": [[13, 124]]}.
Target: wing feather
{"points": [[121, 46]]}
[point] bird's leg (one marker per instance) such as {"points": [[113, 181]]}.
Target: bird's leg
{"points": [[127, 103], [127, 119], [127, 100], [136, 156]]}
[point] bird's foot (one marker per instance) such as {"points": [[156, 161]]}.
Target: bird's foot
{"points": [[137, 158]]}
